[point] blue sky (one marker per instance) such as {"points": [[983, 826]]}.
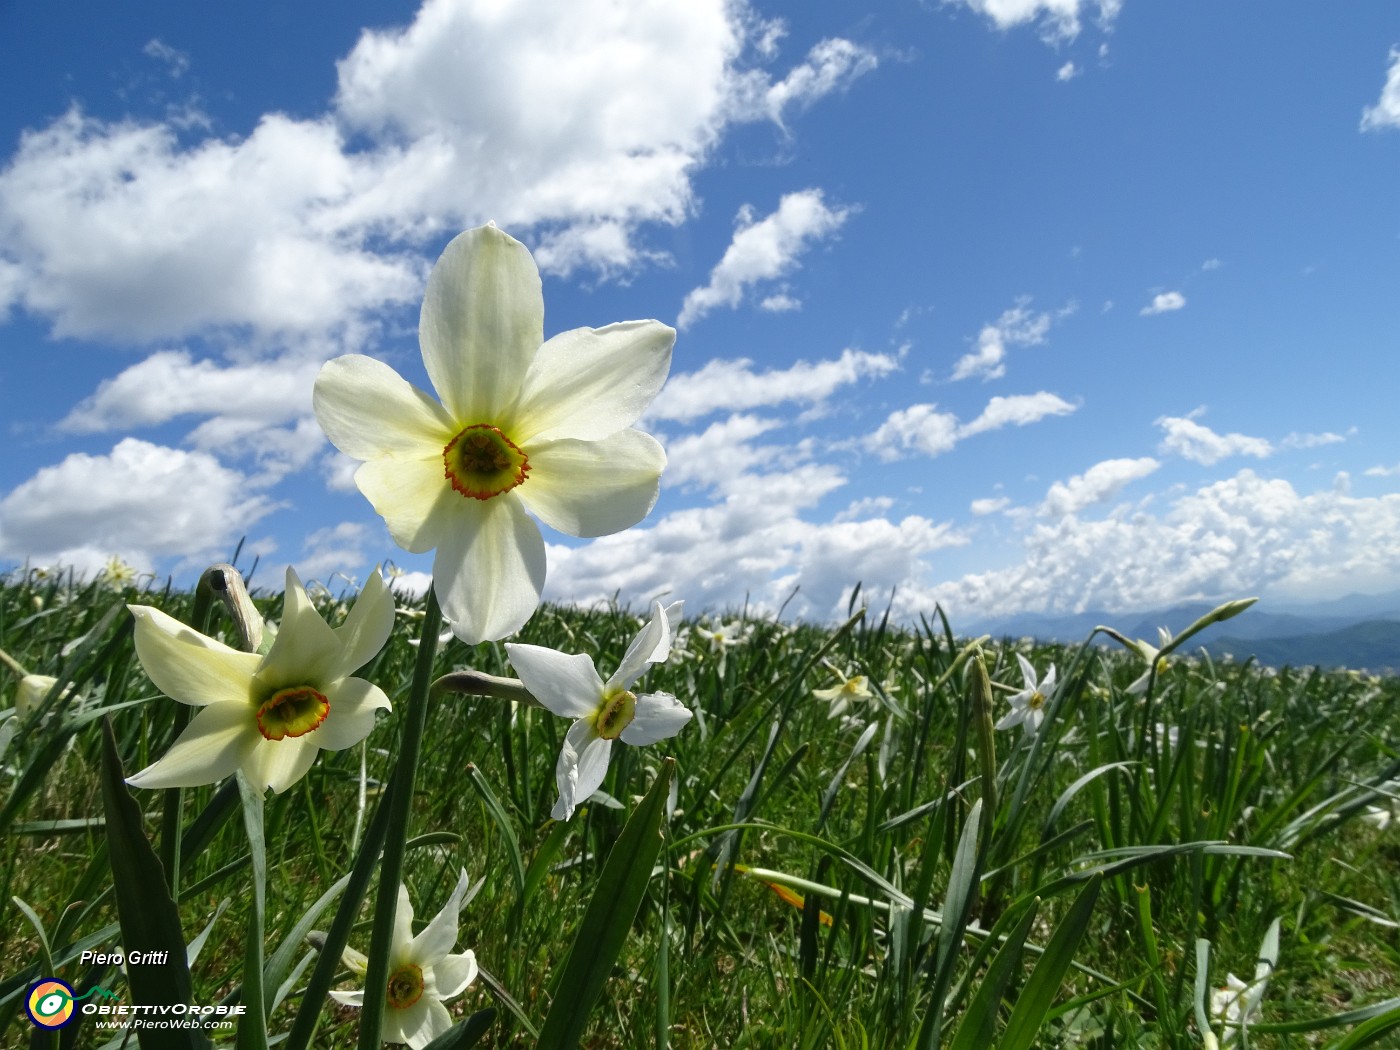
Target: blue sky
{"points": [[1013, 305]]}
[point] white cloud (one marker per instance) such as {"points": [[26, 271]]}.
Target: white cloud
{"points": [[1296, 440], [734, 386], [177, 62], [332, 550], [1229, 539], [861, 509], [780, 303], [170, 383], [1383, 472], [1098, 484], [752, 549], [922, 428], [1194, 441], [1386, 112], [989, 505], [1068, 71], [1211, 264], [144, 230], [918, 428], [121, 229], [142, 502], [1059, 19], [764, 250], [1018, 326], [832, 65], [718, 456], [1164, 302], [1019, 409]]}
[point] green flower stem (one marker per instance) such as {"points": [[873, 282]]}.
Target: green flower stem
{"points": [[252, 1027], [401, 801]]}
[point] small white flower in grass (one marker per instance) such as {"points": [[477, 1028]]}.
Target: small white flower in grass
{"points": [[30, 692], [1238, 1003], [724, 636], [524, 424], [851, 689], [422, 973], [1380, 817], [605, 711], [266, 715], [1156, 663], [1028, 706]]}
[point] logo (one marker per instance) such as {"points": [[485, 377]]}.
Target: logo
{"points": [[50, 1003]]}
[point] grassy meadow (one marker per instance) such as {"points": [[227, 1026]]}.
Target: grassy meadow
{"points": [[896, 875]]}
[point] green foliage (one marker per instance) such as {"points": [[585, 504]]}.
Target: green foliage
{"points": [[885, 878]]}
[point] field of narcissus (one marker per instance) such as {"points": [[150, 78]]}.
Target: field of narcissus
{"points": [[864, 835]]}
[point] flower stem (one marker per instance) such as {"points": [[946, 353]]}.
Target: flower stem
{"points": [[401, 803]]}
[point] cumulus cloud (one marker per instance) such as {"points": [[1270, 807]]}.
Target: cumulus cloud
{"points": [[989, 505], [144, 229], [924, 429], [1162, 303], [918, 428], [1296, 440], [1059, 20], [764, 249], [720, 454], [1068, 71], [171, 383], [1228, 539], [1184, 437], [1099, 483], [1018, 326], [832, 65], [332, 550], [142, 502], [753, 549], [733, 385], [1386, 112], [177, 63], [780, 303], [1018, 410]]}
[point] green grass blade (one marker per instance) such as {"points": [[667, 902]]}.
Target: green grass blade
{"points": [[957, 910], [609, 917], [149, 919], [466, 1034], [1038, 996], [503, 824], [1370, 1032], [979, 1022], [280, 963]]}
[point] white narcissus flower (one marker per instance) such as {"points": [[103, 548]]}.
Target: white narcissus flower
{"points": [[1028, 706], [30, 692], [605, 711], [524, 424], [1238, 1003], [422, 973], [266, 715], [851, 689]]}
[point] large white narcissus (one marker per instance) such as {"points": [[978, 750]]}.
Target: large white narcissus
{"points": [[266, 715], [523, 425]]}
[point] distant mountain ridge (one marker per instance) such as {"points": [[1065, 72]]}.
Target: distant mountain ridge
{"points": [[1357, 631], [1373, 645]]}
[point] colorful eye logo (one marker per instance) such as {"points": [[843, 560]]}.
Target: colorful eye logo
{"points": [[50, 1003]]}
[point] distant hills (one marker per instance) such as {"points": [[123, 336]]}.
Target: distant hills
{"points": [[1358, 631]]}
